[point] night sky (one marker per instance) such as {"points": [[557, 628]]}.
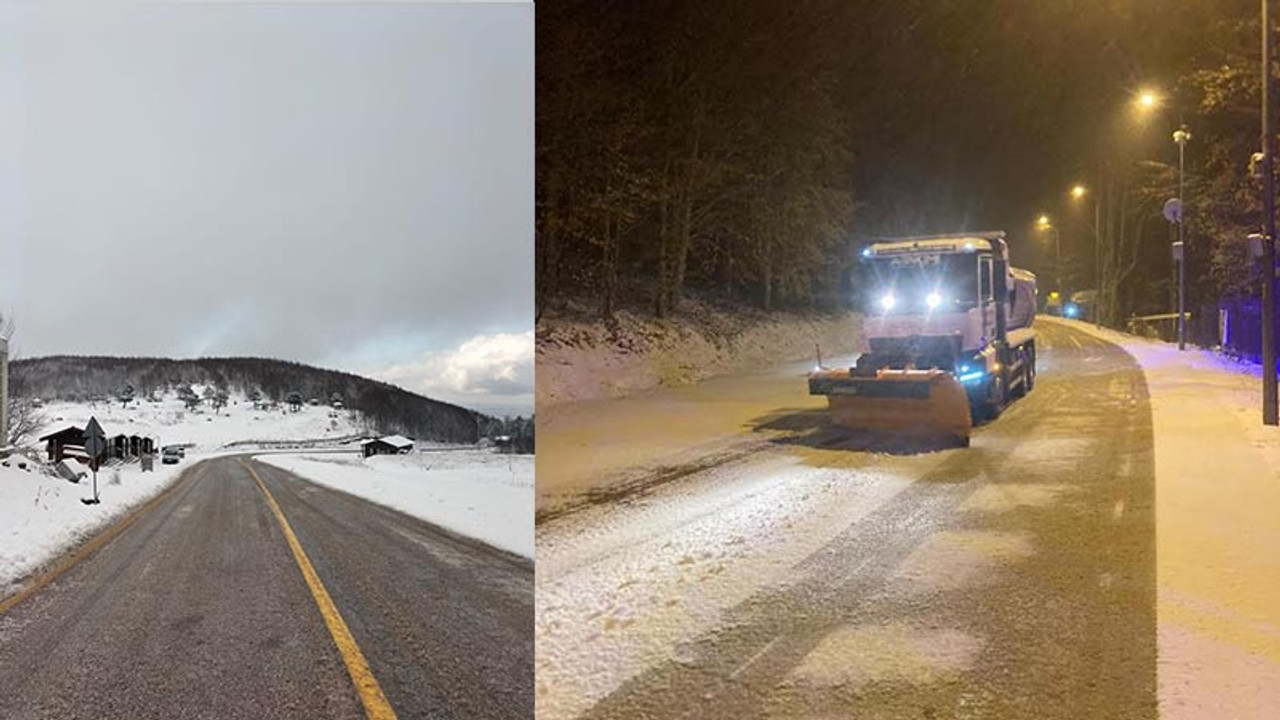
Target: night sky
{"points": [[980, 115]]}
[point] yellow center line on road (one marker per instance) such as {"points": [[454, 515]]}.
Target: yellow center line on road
{"points": [[376, 706], [87, 549]]}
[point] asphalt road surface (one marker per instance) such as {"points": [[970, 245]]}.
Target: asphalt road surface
{"points": [[199, 609], [824, 578]]}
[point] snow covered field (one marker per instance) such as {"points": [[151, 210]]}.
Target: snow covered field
{"points": [[173, 424], [476, 493], [1217, 531], [41, 516]]}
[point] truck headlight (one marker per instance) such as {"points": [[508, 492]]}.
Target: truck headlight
{"points": [[887, 301], [933, 300]]}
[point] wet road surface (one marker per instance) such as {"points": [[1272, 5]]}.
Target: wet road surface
{"points": [[199, 610], [812, 580]]}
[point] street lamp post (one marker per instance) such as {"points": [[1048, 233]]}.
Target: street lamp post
{"points": [[1043, 223], [1181, 136], [1078, 191]]}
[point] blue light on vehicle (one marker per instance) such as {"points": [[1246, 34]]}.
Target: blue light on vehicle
{"points": [[887, 301], [970, 377], [1070, 310], [964, 369], [868, 252], [933, 299]]}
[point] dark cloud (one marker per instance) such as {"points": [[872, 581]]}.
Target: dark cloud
{"points": [[338, 184]]}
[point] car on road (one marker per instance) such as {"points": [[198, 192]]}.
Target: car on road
{"points": [[171, 456]]}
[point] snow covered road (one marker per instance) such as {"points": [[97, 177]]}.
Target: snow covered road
{"points": [[791, 577]]}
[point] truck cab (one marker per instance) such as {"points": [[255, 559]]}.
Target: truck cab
{"points": [[952, 303]]}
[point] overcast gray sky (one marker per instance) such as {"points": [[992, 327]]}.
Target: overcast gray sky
{"points": [[347, 185]]}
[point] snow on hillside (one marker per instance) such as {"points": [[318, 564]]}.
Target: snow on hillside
{"points": [[41, 515], [581, 359], [476, 493], [171, 423]]}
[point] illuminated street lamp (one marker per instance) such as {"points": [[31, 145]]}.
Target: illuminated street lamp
{"points": [[1181, 136], [1078, 191], [1147, 100]]}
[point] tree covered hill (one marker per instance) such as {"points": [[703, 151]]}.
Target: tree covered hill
{"points": [[387, 407]]}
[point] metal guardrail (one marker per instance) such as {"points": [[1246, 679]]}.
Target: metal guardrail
{"points": [[292, 444], [1163, 326]]}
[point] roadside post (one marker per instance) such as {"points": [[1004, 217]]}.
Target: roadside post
{"points": [[1173, 213], [95, 443]]}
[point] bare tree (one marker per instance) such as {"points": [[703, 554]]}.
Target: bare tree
{"points": [[25, 420]]}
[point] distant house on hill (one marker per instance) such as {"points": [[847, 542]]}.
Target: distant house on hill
{"points": [[67, 442], [389, 445]]}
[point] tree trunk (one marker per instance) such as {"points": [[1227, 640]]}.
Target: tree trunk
{"points": [[609, 272], [768, 275], [547, 246], [660, 293], [684, 236]]}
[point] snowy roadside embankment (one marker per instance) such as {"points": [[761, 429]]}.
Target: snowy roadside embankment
{"points": [[476, 493], [42, 516], [1217, 531], [583, 360]]}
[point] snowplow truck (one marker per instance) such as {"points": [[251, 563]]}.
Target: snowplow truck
{"points": [[947, 338]]}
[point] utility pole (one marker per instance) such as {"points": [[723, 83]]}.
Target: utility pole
{"points": [[1269, 410], [4, 390]]}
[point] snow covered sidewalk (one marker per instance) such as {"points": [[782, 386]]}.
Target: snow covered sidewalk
{"points": [[476, 493], [1217, 531]]}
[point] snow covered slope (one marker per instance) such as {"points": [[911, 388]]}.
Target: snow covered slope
{"points": [[580, 359], [171, 423]]}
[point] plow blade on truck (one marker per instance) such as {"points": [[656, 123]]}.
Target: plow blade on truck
{"points": [[917, 403]]}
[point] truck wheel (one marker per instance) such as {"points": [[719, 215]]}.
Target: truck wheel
{"points": [[994, 397], [1026, 372]]}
